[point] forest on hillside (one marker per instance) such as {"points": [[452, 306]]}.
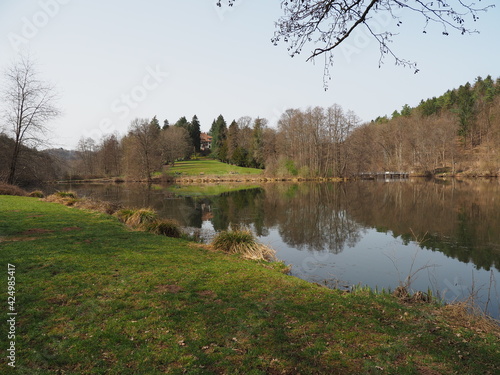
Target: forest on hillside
{"points": [[455, 133]]}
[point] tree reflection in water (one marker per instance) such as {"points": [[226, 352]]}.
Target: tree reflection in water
{"points": [[349, 221]]}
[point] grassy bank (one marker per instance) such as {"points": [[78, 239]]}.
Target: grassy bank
{"points": [[94, 297], [209, 167]]}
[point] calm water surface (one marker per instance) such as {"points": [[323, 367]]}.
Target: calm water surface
{"points": [[444, 234]]}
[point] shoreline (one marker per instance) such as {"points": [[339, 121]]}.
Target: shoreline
{"points": [[262, 179]]}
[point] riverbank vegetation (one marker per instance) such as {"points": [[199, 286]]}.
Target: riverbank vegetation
{"points": [[93, 296]]}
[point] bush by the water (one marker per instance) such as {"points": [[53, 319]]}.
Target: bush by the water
{"points": [[244, 243], [6, 189]]}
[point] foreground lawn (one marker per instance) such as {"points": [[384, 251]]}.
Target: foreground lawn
{"points": [[93, 297], [209, 167]]}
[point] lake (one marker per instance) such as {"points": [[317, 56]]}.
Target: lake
{"points": [[443, 235]]}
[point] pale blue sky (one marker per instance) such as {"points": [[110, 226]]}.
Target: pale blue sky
{"points": [[115, 60]]}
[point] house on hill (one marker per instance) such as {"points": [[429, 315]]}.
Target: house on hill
{"points": [[205, 142]]}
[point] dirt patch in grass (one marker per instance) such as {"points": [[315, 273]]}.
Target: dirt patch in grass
{"points": [[36, 231], [84, 241], [69, 229], [17, 239], [207, 293], [170, 288]]}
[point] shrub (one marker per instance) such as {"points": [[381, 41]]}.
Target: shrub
{"points": [[167, 228], [242, 242], [6, 189], [37, 194]]}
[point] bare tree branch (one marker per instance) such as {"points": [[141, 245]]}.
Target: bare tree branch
{"points": [[327, 24]]}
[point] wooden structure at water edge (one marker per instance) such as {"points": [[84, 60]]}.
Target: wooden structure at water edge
{"points": [[383, 175]]}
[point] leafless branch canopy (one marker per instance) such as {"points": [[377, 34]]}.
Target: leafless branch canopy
{"points": [[29, 102], [328, 23], [29, 105]]}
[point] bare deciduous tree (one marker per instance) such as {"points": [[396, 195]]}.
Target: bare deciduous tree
{"points": [[175, 143], [29, 106]]}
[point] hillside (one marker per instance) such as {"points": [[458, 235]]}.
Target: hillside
{"points": [[455, 133]]}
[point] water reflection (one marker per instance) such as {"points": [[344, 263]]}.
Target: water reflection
{"points": [[361, 231], [459, 219]]}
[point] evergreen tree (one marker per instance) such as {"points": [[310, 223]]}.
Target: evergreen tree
{"points": [[232, 141], [218, 132], [166, 125], [182, 123], [257, 153], [195, 133], [406, 110], [466, 112], [154, 122]]}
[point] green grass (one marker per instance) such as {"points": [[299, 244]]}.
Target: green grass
{"points": [[209, 167], [94, 297]]}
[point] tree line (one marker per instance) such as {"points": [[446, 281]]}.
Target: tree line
{"points": [[142, 152], [458, 131], [309, 143]]}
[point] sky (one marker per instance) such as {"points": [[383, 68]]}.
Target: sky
{"points": [[113, 61]]}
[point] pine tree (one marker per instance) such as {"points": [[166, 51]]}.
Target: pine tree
{"points": [[195, 133], [218, 132]]}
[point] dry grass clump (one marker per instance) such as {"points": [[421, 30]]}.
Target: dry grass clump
{"points": [[97, 205], [146, 219], [167, 228], [68, 198], [141, 216], [465, 314], [66, 194], [124, 214], [6, 189], [244, 243], [37, 194]]}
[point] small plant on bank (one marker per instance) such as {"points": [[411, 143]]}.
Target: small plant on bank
{"points": [[242, 242], [167, 228]]}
